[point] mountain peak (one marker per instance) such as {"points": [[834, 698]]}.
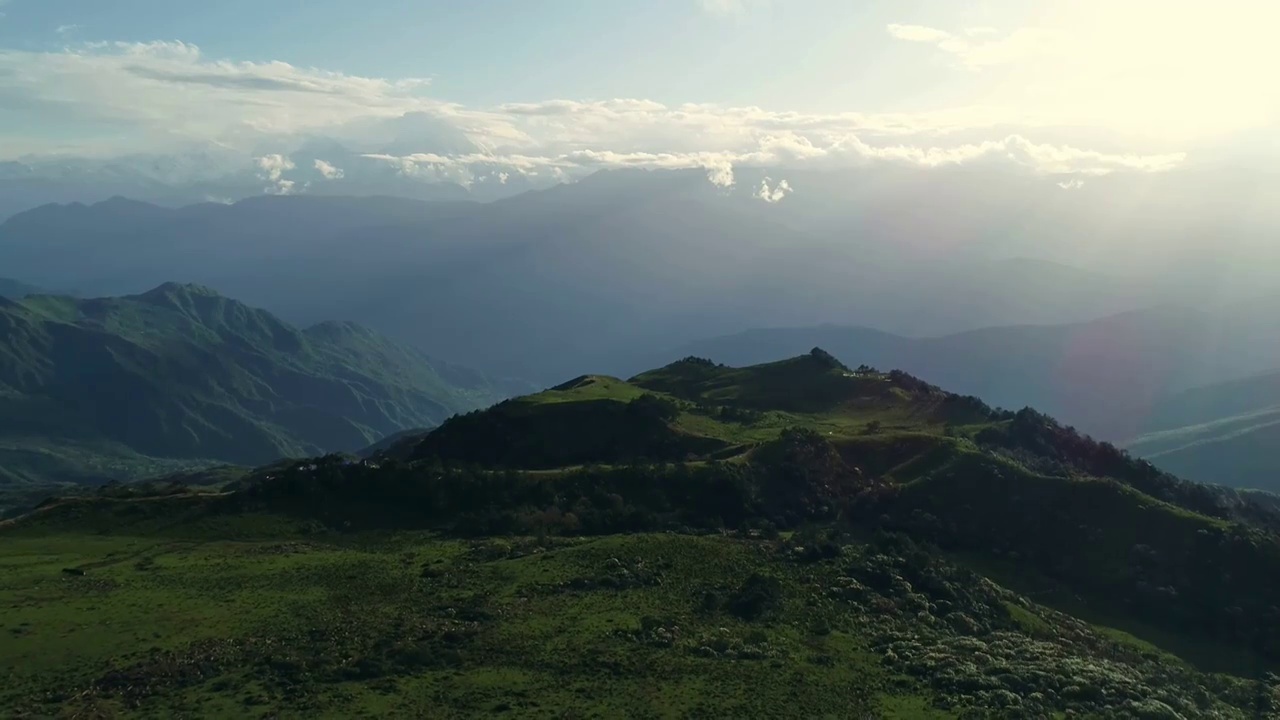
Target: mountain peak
{"points": [[171, 290], [827, 359]]}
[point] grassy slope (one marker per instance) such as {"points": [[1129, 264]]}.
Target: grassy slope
{"points": [[255, 616], [97, 388], [721, 413], [217, 609]]}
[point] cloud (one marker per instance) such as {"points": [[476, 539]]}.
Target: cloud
{"points": [[720, 174], [1071, 184], [976, 53], [774, 195], [271, 168], [787, 151], [918, 33], [724, 8], [170, 98], [169, 92], [66, 29], [328, 171]]}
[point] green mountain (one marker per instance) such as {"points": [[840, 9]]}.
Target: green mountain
{"points": [[123, 387], [1225, 433], [793, 539]]}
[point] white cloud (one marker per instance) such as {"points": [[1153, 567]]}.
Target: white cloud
{"points": [[918, 33], [788, 150], [169, 92], [66, 29], [271, 169], [328, 171], [1071, 184], [976, 53], [720, 174], [727, 7], [775, 194], [168, 96]]}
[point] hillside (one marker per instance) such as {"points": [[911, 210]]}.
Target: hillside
{"points": [[782, 539], [1226, 433], [98, 389]]}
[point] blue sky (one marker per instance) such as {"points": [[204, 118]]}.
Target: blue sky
{"points": [[1057, 86], [490, 51]]}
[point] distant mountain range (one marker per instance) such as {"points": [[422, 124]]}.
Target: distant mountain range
{"points": [[109, 388], [1226, 432], [601, 271], [15, 290], [320, 168], [621, 269], [1109, 377]]}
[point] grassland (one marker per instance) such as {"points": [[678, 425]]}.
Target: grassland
{"points": [[791, 540], [258, 616]]}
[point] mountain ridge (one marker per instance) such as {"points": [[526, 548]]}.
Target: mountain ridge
{"points": [[560, 271], [844, 524], [1106, 376], [182, 372]]}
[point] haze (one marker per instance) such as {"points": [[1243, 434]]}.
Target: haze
{"points": [[679, 358]]}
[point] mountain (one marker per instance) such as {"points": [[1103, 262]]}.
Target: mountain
{"points": [[15, 290], [395, 444], [605, 269], [796, 534], [1105, 376], [319, 167], [1226, 432], [94, 389]]}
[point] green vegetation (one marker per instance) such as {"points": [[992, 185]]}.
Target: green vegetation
{"points": [[256, 616], [794, 539], [121, 388]]}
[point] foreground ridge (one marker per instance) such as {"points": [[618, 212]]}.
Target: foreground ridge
{"points": [[795, 535]]}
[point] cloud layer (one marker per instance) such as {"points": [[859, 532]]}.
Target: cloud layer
{"points": [[170, 97]]}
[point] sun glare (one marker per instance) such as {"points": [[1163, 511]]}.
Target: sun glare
{"points": [[1170, 70]]}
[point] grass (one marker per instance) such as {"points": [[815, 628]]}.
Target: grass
{"points": [[802, 392], [283, 622], [1124, 629], [524, 644], [207, 604]]}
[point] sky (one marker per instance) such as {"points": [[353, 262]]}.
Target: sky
{"points": [[1070, 87]]}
